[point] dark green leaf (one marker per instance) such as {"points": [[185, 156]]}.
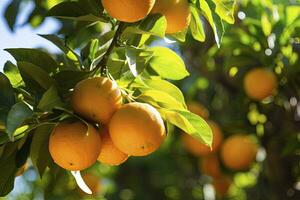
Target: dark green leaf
{"points": [[36, 57], [49, 100], [39, 152], [11, 13], [68, 79], [8, 169], [89, 10], [16, 116], [35, 76], [7, 95], [71, 55]]}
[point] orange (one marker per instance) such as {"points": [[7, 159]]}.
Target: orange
{"points": [[128, 10], [137, 129], [210, 165], [110, 154], [74, 146], [93, 182], [177, 13], [222, 185], [197, 148], [22, 169], [238, 152], [198, 109], [96, 99], [260, 83]]}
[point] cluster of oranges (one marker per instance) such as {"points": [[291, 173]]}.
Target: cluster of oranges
{"points": [[177, 12], [236, 152], [114, 130]]}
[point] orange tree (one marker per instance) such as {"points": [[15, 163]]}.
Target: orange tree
{"points": [[117, 80], [247, 78]]}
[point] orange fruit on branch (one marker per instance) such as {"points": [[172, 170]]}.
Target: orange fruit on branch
{"points": [[96, 99], [74, 146], [128, 10], [177, 13], [110, 154], [137, 129], [260, 83], [238, 152], [197, 148]]}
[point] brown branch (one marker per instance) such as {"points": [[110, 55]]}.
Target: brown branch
{"points": [[102, 65]]}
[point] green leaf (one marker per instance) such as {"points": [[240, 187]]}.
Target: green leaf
{"points": [[161, 98], [196, 25], [71, 55], [11, 13], [8, 169], [167, 63], [162, 85], [39, 152], [68, 79], [153, 25], [13, 74], [225, 9], [16, 116], [35, 76], [36, 57], [83, 10], [7, 95], [23, 152], [209, 15], [189, 123], [49, 100]]}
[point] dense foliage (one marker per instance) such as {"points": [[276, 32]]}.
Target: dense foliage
{"points": [[206, 63]]}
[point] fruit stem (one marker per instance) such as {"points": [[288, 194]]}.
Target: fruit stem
{"points": [[102, 65]]}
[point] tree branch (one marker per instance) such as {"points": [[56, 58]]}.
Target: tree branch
{"points": [[102, 65]]}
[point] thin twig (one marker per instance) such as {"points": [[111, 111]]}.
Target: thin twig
{"points": [[102, 65]]}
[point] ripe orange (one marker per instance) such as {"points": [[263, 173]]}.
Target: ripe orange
{"points": [[222, 185], [137, 129], [197, 148], [96, 99], [110, 154], [74, 146], [128, 10], [198, 109], [177, 13], [238, 152], [260, 83], [93, 182], [210, 165]]}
